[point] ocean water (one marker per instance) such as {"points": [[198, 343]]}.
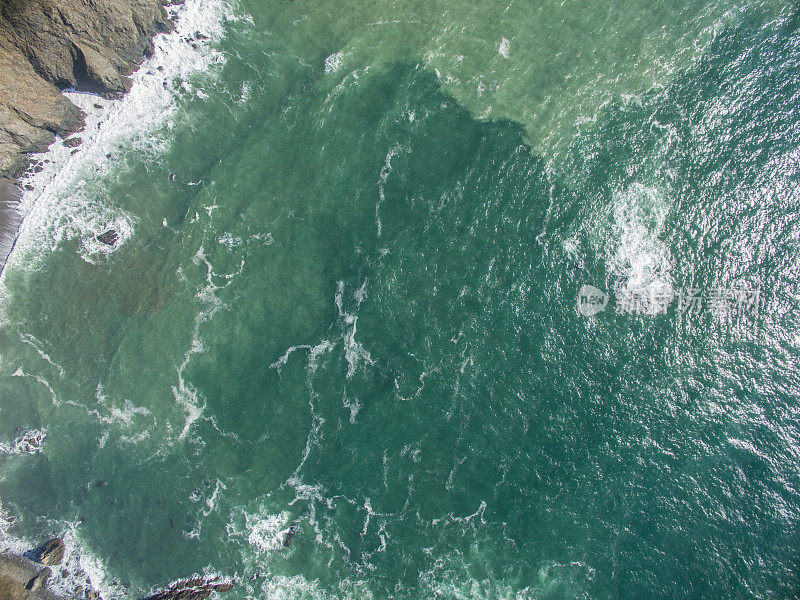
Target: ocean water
{"points": [[345, 305]]}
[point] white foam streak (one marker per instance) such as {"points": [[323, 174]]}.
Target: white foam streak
{"points": [[20, 373], [32, 341], [211, 501], [353, 350], [504, 48], [314, 352], [333, 62], [386, 170], [185, 394], [297, 587]]}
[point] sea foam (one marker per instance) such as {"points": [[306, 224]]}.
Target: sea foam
{"points": [[638, 258]]}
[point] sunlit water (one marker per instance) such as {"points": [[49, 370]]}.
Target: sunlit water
{"points": [[345, 299]]}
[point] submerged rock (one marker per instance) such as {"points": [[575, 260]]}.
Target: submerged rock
{"points": [[198, 588], [109, 237], [30, 442], [290, 533]]}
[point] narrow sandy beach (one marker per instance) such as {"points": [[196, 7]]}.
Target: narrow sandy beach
{"points": [[10, 217]]}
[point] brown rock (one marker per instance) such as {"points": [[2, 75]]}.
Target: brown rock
{"points": [[20, 579], [72, 142], [53, 552], [32, 111], [91, 45], [40, 581], [198, 588]]}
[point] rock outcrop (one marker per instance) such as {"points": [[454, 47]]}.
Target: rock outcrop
{"points": [[52, 552], [109, 238], [90, 45], [32, 111], [25, 578], [192, 589], [21, 579]]}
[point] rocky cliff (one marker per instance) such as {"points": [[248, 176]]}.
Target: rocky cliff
{"points": [[48, 45]]}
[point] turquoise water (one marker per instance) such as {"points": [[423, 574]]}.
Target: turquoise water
{"points": [[349, 304]]}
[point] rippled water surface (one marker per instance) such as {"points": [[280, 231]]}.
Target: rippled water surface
{"points": [[344, 303]]}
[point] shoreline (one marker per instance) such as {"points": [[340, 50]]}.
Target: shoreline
{"points": [[46, 49], [48, 46], [25, 576], [22, 579], [48, 204], [39, 207]]}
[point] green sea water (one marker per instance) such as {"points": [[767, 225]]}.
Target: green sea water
{"points": [[348, 304]]}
